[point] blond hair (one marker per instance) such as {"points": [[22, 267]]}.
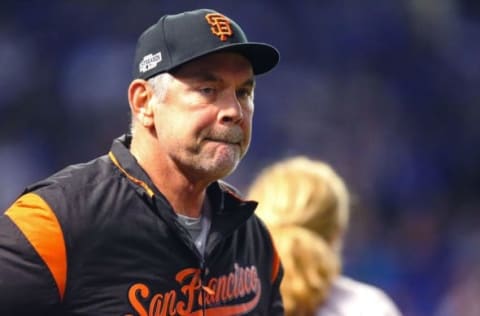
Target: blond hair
{"points": [[305, 192], [305, 204], [310, 266]]}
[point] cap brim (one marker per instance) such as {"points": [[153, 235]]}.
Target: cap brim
{"points": [[263, 57]]}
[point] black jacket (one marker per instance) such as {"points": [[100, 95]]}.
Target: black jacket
{"points": [[99, 239]]}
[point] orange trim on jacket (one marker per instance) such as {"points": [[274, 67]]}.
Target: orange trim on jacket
{"points": [[275, 263], [129, 176], [37, 221]]}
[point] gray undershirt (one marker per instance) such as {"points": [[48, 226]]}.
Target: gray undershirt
{"points": [[198, 227]]}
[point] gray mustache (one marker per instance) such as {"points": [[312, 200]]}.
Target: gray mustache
{"points": [[231, 135]]}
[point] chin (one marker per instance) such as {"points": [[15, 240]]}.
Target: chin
{"points": [[219, 164], [225, 170]]}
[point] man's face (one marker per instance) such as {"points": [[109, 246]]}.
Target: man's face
{"points": [[204, 122]]}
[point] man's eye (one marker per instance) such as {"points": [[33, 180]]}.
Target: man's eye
{"points": [[207, 90], [244, 93]]}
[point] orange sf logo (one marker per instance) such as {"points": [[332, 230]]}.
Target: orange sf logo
{"points": [[220, 25]]}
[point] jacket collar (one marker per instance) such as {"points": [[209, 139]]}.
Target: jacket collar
{"points": [[123, 159], [222, 196]]}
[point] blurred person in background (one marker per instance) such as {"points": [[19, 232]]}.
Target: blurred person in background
{"points": [[306, 205], [462, 296], [150, 228]]}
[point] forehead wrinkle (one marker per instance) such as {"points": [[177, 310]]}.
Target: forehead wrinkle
{"points": [[204, 76], [209, 76]]}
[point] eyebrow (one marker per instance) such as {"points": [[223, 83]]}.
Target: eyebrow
{"points": [[250, 82]]}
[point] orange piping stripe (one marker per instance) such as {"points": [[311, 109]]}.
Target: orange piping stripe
{"points": [[132, 178], [275, 264], [37, 221]]}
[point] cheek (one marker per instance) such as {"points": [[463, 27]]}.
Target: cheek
{"points": [[171, 126], [247, 126], [189, 125], [248, 116]]}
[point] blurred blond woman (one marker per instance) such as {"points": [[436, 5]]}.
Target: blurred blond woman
{"points": [[306, 206]]}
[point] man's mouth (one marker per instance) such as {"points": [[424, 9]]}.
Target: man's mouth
{"points": [[230, 137], [222, 141]]}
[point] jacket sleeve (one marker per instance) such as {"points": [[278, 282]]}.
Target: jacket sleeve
{"points": [[276, 302], [32, 258], [276, 305]]}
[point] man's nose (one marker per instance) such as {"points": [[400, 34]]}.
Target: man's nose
{"points": [[231, 109]]}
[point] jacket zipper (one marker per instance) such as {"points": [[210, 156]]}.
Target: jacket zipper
{"points": [[202, 277]]}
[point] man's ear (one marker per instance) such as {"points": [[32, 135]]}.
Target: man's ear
{"points": [[140, 95]]}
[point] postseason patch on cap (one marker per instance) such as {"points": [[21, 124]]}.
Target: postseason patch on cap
{"points": [[150, 61]]}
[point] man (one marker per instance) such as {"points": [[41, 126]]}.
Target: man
{"points": [[150, 229]]}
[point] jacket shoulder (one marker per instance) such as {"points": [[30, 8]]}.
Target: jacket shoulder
{"points": [[75, 176]]}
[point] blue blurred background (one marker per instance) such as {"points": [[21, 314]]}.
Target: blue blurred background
{"points": [[387, 91]]}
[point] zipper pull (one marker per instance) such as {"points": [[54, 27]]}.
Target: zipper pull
{"points": [[203, 275], [208, 290]]}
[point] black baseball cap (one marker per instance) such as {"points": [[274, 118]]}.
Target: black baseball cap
{"points": [[179, 38]]}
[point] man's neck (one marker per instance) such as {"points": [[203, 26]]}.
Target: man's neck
{"points": [[184, 199], [185, 196]]}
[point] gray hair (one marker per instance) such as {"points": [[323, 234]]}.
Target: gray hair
{"points": [[159, 84]]}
